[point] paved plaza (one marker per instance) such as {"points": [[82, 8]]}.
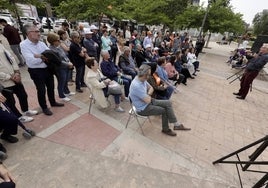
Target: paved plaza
{"points": [[76, 149]]}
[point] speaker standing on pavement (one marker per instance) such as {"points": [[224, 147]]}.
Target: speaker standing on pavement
{"points": [[252, 70]]}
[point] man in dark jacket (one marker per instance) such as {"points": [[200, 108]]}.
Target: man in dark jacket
{"points": [[90, 45], [252, 70], [110, 70], [13, 38]]}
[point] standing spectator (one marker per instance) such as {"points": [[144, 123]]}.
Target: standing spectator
{"points": [[31, 49], [90, 45], [112, 71], [78, 55], [97, 38], [10, 79], [114, 48], [13, 38], [106, 42], [127, 35], [158, 39], [143, 35], [62, 72], [140, 94], [199, 45], [65, 27], [65, 45], [148, 40]]}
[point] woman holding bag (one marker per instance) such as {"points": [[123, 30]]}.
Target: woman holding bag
{"points": [[99, 86]]}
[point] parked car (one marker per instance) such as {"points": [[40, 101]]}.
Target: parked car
{"points": [[10, 20], [46, 21]]}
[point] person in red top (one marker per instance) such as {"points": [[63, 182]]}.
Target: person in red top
{"points": [[13, 38]]}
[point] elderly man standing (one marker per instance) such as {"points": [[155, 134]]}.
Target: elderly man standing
{"points": [[10, 79], [148, 40], [13, 38], [32, 49], [252, 70], [90, 45], [140, 94]]}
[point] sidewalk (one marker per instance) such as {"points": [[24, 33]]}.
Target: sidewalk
{"points": [[76, 149]]}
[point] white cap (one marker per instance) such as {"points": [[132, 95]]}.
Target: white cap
{"points": [[148, 46], [93, 27], [265, 45], [156, 48], [87, 31]]}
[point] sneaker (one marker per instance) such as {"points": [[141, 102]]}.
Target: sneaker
{"points": [[69, 94], [119, 109], [66, 99], [30, 113], [9, 138], [25, 119]]}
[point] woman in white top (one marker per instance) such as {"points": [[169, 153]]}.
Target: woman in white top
{"points": [[99, 86], [192, 59], [106, 42]]}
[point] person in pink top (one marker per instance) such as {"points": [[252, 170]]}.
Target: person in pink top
{"points": [[173, 74]]}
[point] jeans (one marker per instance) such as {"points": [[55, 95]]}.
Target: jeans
{"points": [[44, 81], [79, 79], [126, 82], [62, 77], [20, 92], [160, 107], [116, 97], [16, 49]]}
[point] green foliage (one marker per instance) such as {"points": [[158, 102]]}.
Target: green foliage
{"points": [[260, 23]]}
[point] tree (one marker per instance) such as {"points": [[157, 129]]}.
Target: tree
{"points": [[260, 23]]}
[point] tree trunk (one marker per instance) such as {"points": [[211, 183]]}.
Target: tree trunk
{"points": [[209, 35]]}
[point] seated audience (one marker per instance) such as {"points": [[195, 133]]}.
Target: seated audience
{"points": [[161, 89], [173, 74], [140, 56], [126, 63], [111, 71], [192, 59], [99, 86], [140, 94]]}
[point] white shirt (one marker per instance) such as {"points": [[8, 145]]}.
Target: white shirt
{"points": [[29, 49]]}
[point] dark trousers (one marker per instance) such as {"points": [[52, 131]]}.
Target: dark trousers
{"points": [[44, 82], [196, 65], [7, 185], [20, 92], [9, 123], [113, 54], [62, 78], [246, 81], [79, 78], [186, 73]]}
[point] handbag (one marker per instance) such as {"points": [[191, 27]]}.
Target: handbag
{"points": [[114, 88]]}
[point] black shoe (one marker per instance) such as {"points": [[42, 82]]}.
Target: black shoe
{"points": [[192, 77], [169, 132], [194, 74], [47, 112], [236, 94], [197, 70], [181, 128], [184, 84], [57, 104], [9, 138], [241, 98], [2, 148], [83, 85], [79, 90]]}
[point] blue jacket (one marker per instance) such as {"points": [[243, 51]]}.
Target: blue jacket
{"points": [[109, 69], [162, 73]]}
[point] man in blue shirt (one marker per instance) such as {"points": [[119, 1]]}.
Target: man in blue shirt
{"points": [[140, 94]]}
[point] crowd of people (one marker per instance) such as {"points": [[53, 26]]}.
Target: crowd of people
{"points": [[135, 67]]}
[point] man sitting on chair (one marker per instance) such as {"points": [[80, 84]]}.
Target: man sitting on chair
{"points": [[140, 94]]}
